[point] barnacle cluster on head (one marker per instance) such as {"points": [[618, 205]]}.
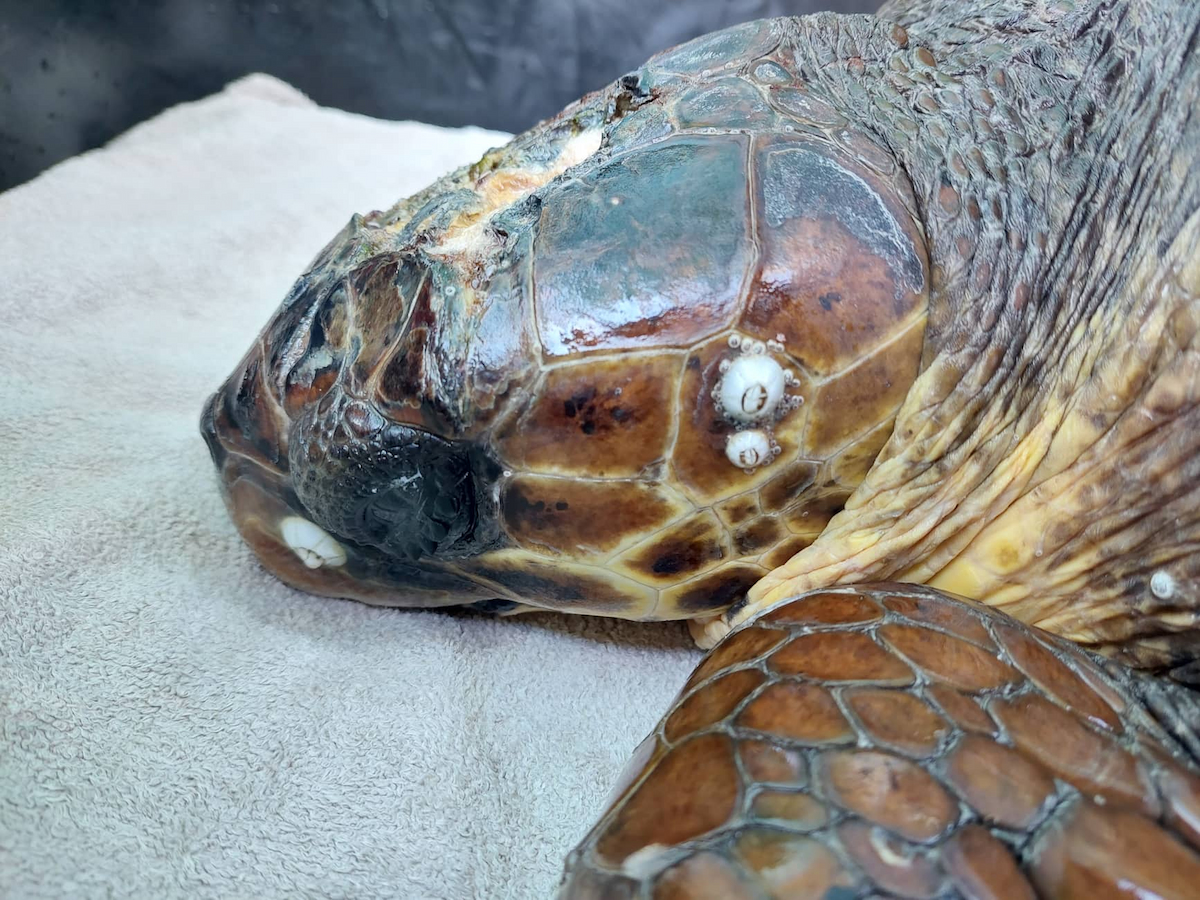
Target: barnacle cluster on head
{"points": [[752, 394]]}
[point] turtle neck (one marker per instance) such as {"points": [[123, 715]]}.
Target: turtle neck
{"points": [[1051, 150]]}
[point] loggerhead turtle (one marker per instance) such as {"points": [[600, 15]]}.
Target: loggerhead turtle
{"points": [[803, 303]]}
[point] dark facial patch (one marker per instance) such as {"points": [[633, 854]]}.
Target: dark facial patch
{"points": [[696, 544]]}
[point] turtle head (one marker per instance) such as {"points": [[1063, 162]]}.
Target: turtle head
{"points": [[624, 365]]}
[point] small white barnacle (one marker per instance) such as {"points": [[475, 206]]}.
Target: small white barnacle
{"points": [[314, 545], [1162, 585], [752, 388], [748, 449], [735, 341]]}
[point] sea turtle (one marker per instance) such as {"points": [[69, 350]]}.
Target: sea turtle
{"points": [[805, 303]]}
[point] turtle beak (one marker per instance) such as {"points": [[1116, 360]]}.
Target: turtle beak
{"points": [[375, 525], [333, 488]]}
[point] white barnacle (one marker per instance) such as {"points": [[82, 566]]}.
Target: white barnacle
{"points": [[1162, 585], [314, 545], [752, 387], [748, 449]]}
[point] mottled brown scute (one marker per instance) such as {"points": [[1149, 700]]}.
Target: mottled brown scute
{"points": [[685, 813], [692, 546], [384, 291], [840, 270], [789, 486], [865, 394], [711, 592], [907, 778], [600, 418], [698, 459]]}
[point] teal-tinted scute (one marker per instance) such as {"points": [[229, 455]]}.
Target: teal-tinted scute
{"points": [[737, 45], [648, 124], [650, 249], [726, 103], [798, 181]]}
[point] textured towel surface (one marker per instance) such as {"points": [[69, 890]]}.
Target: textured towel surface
{"points": [[174, 722]]}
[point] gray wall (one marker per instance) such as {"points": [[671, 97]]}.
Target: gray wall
{"points": [[74, 73]]}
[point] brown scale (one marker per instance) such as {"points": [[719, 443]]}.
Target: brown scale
{"points": [[893, 740]]}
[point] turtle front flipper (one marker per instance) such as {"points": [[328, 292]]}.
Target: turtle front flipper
{"points": [[1047, 459], [893, 739]]}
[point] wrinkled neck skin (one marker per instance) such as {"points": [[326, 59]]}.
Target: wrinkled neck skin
{"points": [[1046, 459]]}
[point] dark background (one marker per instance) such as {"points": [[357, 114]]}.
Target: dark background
{"points": [[75, 73]]}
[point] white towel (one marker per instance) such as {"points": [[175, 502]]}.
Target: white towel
{"points": [[173, 721]]}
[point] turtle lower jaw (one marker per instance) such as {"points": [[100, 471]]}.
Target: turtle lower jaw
{"points": [[298, 551]]}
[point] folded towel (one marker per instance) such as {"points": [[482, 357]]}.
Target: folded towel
{"points": [[173, 721]]}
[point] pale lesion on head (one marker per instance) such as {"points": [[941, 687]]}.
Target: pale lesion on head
{"points": [[508, 181], [505, 175]]}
